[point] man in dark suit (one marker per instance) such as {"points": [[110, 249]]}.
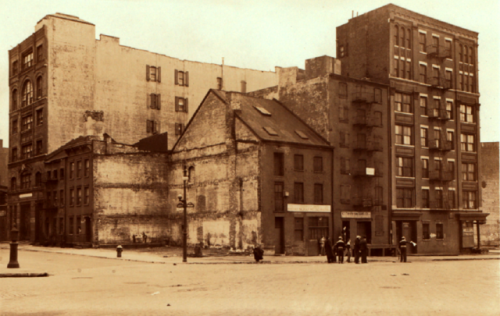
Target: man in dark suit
{"points": [[339, 245], [356, 249], [363, 248]]}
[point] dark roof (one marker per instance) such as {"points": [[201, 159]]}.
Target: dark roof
{"points": [[281, 121], [74, 142]]}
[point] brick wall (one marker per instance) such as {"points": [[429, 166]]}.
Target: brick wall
{"points": [[490, 193]]}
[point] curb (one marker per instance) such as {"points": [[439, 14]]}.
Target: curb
{"points": [[23, 275]]}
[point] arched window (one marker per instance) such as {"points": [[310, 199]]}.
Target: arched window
{"points": [[39, 87], [27, 94], [13, 183], [38, 179], [14, 100]]}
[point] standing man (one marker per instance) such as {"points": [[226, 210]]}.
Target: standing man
{"points": [[403, 245], [363, 247], [340, 249], [329, 252], [348, 250], [356, 249]]}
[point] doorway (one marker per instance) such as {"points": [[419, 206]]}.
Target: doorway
{"points": [[346, 230], [88, 229], [24, 224], [279, 232], [365, 229]]}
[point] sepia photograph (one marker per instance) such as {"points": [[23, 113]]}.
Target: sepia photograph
{"points": [[230, 157]]}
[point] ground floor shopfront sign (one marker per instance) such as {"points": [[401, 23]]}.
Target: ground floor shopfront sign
{"points": [[306, 208], [356, 215]]}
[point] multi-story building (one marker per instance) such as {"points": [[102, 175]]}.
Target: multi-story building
{"points": [[352, 114], [490, 232], [64, 82], [260, 176], [4, 160], [431, 68]]}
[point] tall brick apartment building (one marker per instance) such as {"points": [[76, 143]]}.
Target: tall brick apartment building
{"points": [[431, 69], [64, 83]]}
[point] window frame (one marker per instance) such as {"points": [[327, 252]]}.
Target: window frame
{"points": [[298, 162], [298, 192]]}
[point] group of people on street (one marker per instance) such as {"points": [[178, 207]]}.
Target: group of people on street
{"points": [[336, 252]]}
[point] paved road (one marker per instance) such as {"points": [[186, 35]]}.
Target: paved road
{"points": [[94, 286]]}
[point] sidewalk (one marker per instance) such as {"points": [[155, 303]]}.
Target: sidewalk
{"points": [[173, 255]]}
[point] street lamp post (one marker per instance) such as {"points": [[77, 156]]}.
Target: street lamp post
{"points": [[184, 204], [13, 250]]}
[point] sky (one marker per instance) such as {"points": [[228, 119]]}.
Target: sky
{"points": [[253, 34]]}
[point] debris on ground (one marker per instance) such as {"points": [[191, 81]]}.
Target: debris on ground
{"points": [[405, 274], [155, 293]]}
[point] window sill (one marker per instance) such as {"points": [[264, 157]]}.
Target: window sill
{"points": [[405, 113], [403, 145]]}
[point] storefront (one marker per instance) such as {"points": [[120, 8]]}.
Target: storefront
{"points": [[469, 238]]}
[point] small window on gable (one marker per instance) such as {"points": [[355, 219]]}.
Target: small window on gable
{"points": [[270, 131], [262, 110], [301, 134], [179, 129]]}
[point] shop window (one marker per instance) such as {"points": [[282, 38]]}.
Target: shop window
{"points": [[318, 164], [299, 229], [298, 189], [278, 197], [298, 162], [318, 193], [426, 232], [279, 168], [439, 231], [318, 227]]}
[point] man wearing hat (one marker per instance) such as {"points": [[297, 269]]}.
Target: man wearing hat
{"points": [[339, 245], [356, 249], [403, 244]]}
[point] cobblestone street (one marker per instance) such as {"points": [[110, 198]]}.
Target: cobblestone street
{"points": [[81, 285]]}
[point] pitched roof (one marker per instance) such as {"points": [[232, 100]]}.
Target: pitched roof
{"points": [[272, 121]]}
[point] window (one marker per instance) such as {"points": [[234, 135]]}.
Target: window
{"points": [[435, 75], [423, 105], [243, 87], [182, 78], [318, 164], [25, 181], [14, 100], [466, 113], [61, 173], [152, 73], [14, 68], [86, 195], [343, 113], [377, 118], [341, 51], [468, 142], [423, 137], [439, 231], [155, 101], [14, 127], [396, 66], [403, 103], [298, 162], [449, 109], [403, 135], [451, 199], [78, 225], [152, 127], [345, 193], [49, 198], [28, 59], [71, 196], [437, 138], [26, 151], [450, 139], [279, 169], [469, 171], [448, 78], [179, 129], [26, 123], [55, 198], [39, 117], [425, 168], [426, 231], [298, 189], [439, 198], [425, 198], [299, 229], [27, 94], [396, 35], [422, 42], [342, 90], [181, 104], [405, 197], [219, 83], [423, 73], [39, 53], [14, 154], [78, 169], [279, 203], [404, 166], [469, 199], [344, 139], [38, 179], [70, 225], [448, 48], [318, 193], [345, 167], [39, 147], [71, 170], [13, 183], [318, 227], [378, 96], [451, 167], [39, 89], [61, 197], [87, 167], [78, 196]]}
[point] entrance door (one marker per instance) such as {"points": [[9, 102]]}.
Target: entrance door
{"points": [[88, 229], [279, 230], [365, 229], [346, 230], [38, 225], [24, 225]]}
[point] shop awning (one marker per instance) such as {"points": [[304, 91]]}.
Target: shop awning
{"points": [[472, 216]]}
